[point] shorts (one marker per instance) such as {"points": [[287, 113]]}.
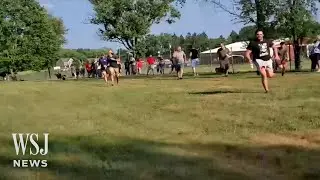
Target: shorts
{"points": [[179, 66], [113, 71], [194, 62], [259, 63], [152, 66], [282, 62], [224, 63]]}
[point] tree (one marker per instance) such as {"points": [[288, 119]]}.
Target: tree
{"points": [[277, 18], [247, 33], [295, 19], [257, 12], [30, 38], [55, 38], [127, 21], [233, 37]]}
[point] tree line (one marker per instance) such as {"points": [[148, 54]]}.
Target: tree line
{"points": [[31, 38], [152, 44], [129, 21], [164, 43]]}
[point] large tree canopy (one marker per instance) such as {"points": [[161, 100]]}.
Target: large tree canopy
{"points": [[127, 21], [277, 18], [29, 37]]}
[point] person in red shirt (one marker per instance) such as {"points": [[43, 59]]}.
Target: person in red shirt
{"points": [[139, 65], [151, 64], [88, 68]]}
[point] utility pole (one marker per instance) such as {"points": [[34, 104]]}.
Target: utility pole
{"points": [[170, 50]]}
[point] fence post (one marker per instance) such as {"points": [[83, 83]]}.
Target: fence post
{"points": [[232, 60], [211, 61]]}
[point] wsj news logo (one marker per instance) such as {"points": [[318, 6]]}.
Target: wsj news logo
{"points": [[27, 144]]}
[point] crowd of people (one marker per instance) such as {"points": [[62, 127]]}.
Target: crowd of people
{"points": [[258, 53], [134, 66]]}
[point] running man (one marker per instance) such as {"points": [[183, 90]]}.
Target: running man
{"points": [[260, 50], [119, 64], [173, 65], [161, 65], [284, 57], [151, 64], [194, 55], [113, 67], [103, 63], [179, 58], [223, 56]]}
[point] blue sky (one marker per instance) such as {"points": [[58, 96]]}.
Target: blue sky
{"points": [[196, 17]]}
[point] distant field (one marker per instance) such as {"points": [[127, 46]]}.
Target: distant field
{"points": [[161, 128]]}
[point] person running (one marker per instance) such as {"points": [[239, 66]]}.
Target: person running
{"points": [[133, 65], [99, 75], [173, 65], [151, 64], [113, 67], [284, 57], [194, 55], [88, 68], [315, 55], [180, 59], [139, 65], [127, 67], [119, 64], [103, 63], [223, 56], [161, 65], [260, 50]]}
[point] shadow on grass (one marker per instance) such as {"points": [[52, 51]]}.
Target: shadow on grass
{"points": [[90, 158], [223, 92]]}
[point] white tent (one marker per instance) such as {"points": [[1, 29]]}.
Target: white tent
{"points": [[234, 47], [239, 46]]}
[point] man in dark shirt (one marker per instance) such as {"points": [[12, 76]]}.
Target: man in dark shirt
{"points": [[261, 57], [194, 55], [223, 56]]}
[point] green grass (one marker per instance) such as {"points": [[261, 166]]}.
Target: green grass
{"points": [[160, 128]]}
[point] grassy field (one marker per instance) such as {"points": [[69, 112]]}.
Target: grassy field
{"points": [[208, 127]]}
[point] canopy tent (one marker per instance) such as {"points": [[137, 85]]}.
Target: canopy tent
{"points": [[234, 47], [240, 46]]}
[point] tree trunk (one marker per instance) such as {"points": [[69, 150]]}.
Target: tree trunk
{"points": [[134, 50], [261, 19], [297, 57], [49, 72]]}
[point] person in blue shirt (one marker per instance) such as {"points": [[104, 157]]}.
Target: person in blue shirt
{"points": [[103, 62]]}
